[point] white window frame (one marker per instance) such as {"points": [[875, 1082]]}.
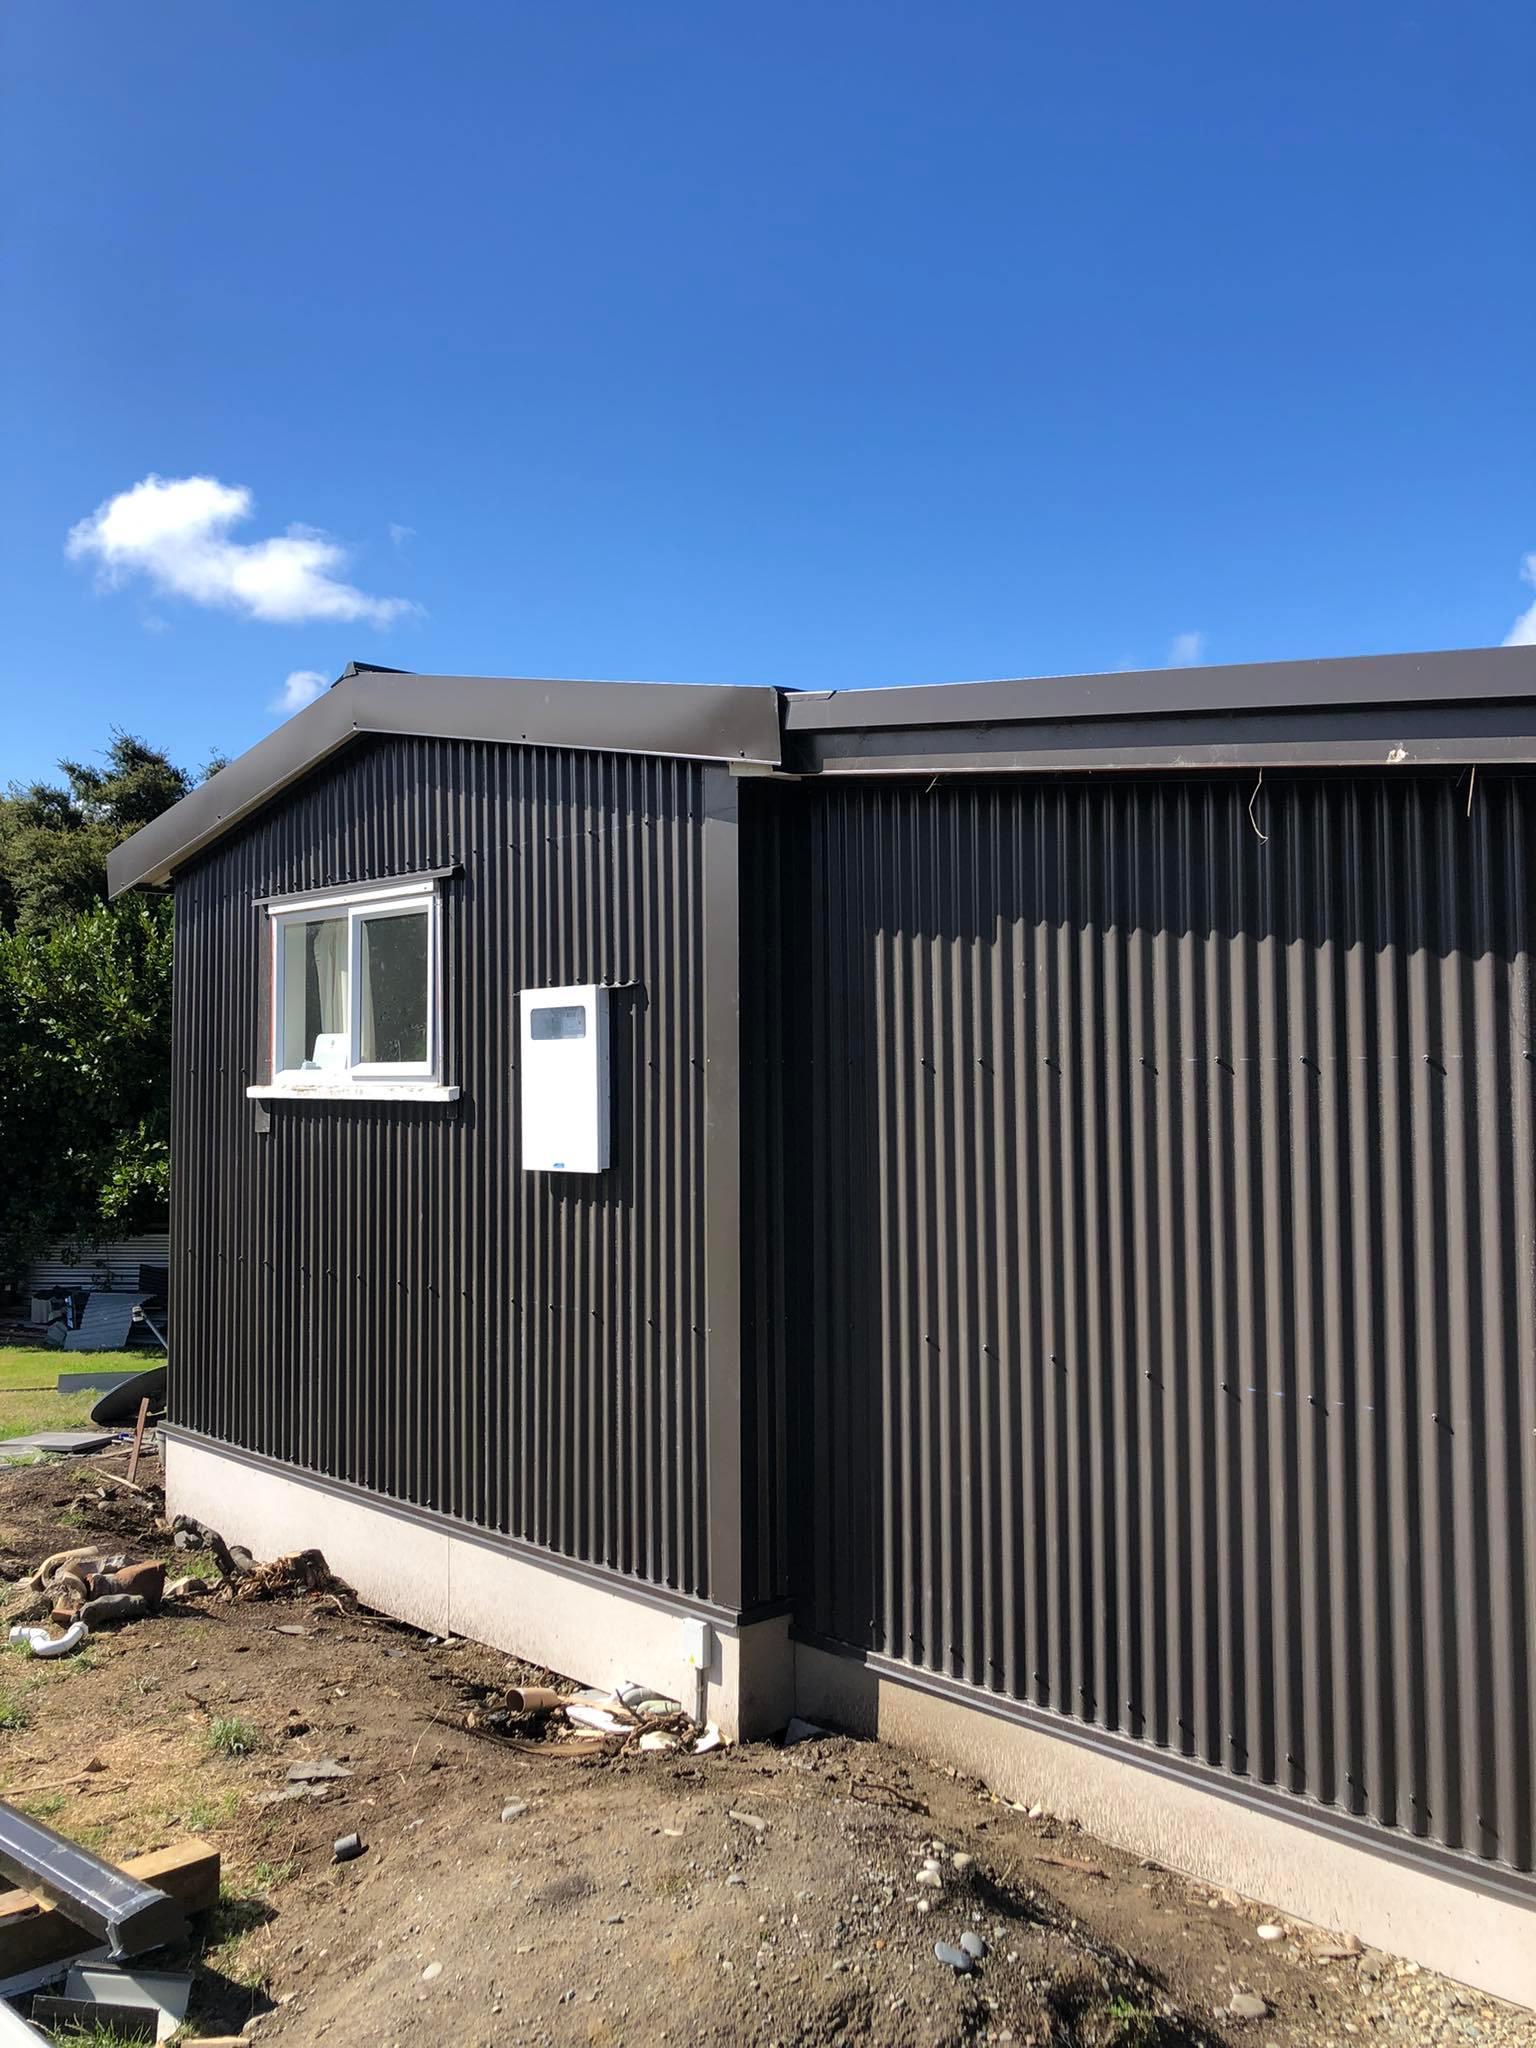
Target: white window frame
{"points": [[358, 1080]]}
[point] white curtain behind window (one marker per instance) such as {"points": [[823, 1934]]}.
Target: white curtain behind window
{"points": [[329, 941]]}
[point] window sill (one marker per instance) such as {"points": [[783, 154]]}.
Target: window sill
{"points": [[354, 1091]]}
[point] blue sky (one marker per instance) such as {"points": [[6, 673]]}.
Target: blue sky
{"points": [[828, 345]]}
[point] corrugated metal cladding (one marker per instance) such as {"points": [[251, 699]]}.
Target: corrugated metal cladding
{"points": [[1166, 1352], [378, 1292], [772, 1080], [117, 1264]]}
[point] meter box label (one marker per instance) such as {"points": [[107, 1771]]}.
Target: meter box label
{"points": [[565, 1079]]}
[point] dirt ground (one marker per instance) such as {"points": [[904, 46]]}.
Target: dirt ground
{"points": [[510, 1895]]}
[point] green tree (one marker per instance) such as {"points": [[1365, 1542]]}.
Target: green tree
{"points": [[85, 1025], [85, 1008], [55, 838]]}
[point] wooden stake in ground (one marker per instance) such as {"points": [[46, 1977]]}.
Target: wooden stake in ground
{"points": [[138, 1440]]}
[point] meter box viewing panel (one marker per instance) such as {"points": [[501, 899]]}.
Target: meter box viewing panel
{"points": [[565, 1079]]}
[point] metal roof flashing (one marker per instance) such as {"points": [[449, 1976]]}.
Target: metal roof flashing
{"points": [[688, 721], [1355, 681], [1388, 710], [1361, 712]]}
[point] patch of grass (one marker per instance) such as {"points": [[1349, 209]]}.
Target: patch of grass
{"points": [[44, 1808], [237, 1913], [266, 1877], [1134, 2026], [24, 1366], [202, 1814], [29, 1398], [192, 1564], [96, 2036], [13, 1713], [22, 1413], [228, 1735], [90, 1834]]}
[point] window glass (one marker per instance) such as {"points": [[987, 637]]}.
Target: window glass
{"points": [[558, 1020], [315, 1022], [394, 990]]}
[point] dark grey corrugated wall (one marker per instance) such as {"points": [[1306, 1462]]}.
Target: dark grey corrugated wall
{"points": [[378, 1292], [1166, 1349]]}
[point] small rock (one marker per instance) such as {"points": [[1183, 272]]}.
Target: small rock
{"points": [[962, 1862], [1337, 1948], [111, 1608], [431, 1973], [931, 1880], [1248, 2005], [345, 1848], [513, 1808], [973, 1945], [1270, 1932], [955, 1958], [316, 1771], [748, 1820], [1037, 1813], [287, 1792]]}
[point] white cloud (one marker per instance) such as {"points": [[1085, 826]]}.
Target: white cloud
{"points": [[400, 534], [1185, 649], [303, 686], [1523, 632], [175, 533]]}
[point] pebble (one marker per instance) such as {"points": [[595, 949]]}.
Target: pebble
{"points": [[955, 1958], [431, 1973], [962, 1862], [973, 1945], [1249, 2005], [930, 1879], [1270, 1932], [513, 1808]]}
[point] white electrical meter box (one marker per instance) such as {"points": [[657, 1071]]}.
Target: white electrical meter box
{"points": [[565, 1079]]}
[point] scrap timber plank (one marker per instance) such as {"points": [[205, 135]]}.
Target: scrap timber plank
{"points": [[130, 1917], [32, 1932]]}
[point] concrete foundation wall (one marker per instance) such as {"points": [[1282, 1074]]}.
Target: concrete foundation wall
{"points": [[757, 1677], [600, 1635], [1446, 1926]]}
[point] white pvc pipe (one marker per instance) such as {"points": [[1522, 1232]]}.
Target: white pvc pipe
{"points": [[45, 1645]]}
